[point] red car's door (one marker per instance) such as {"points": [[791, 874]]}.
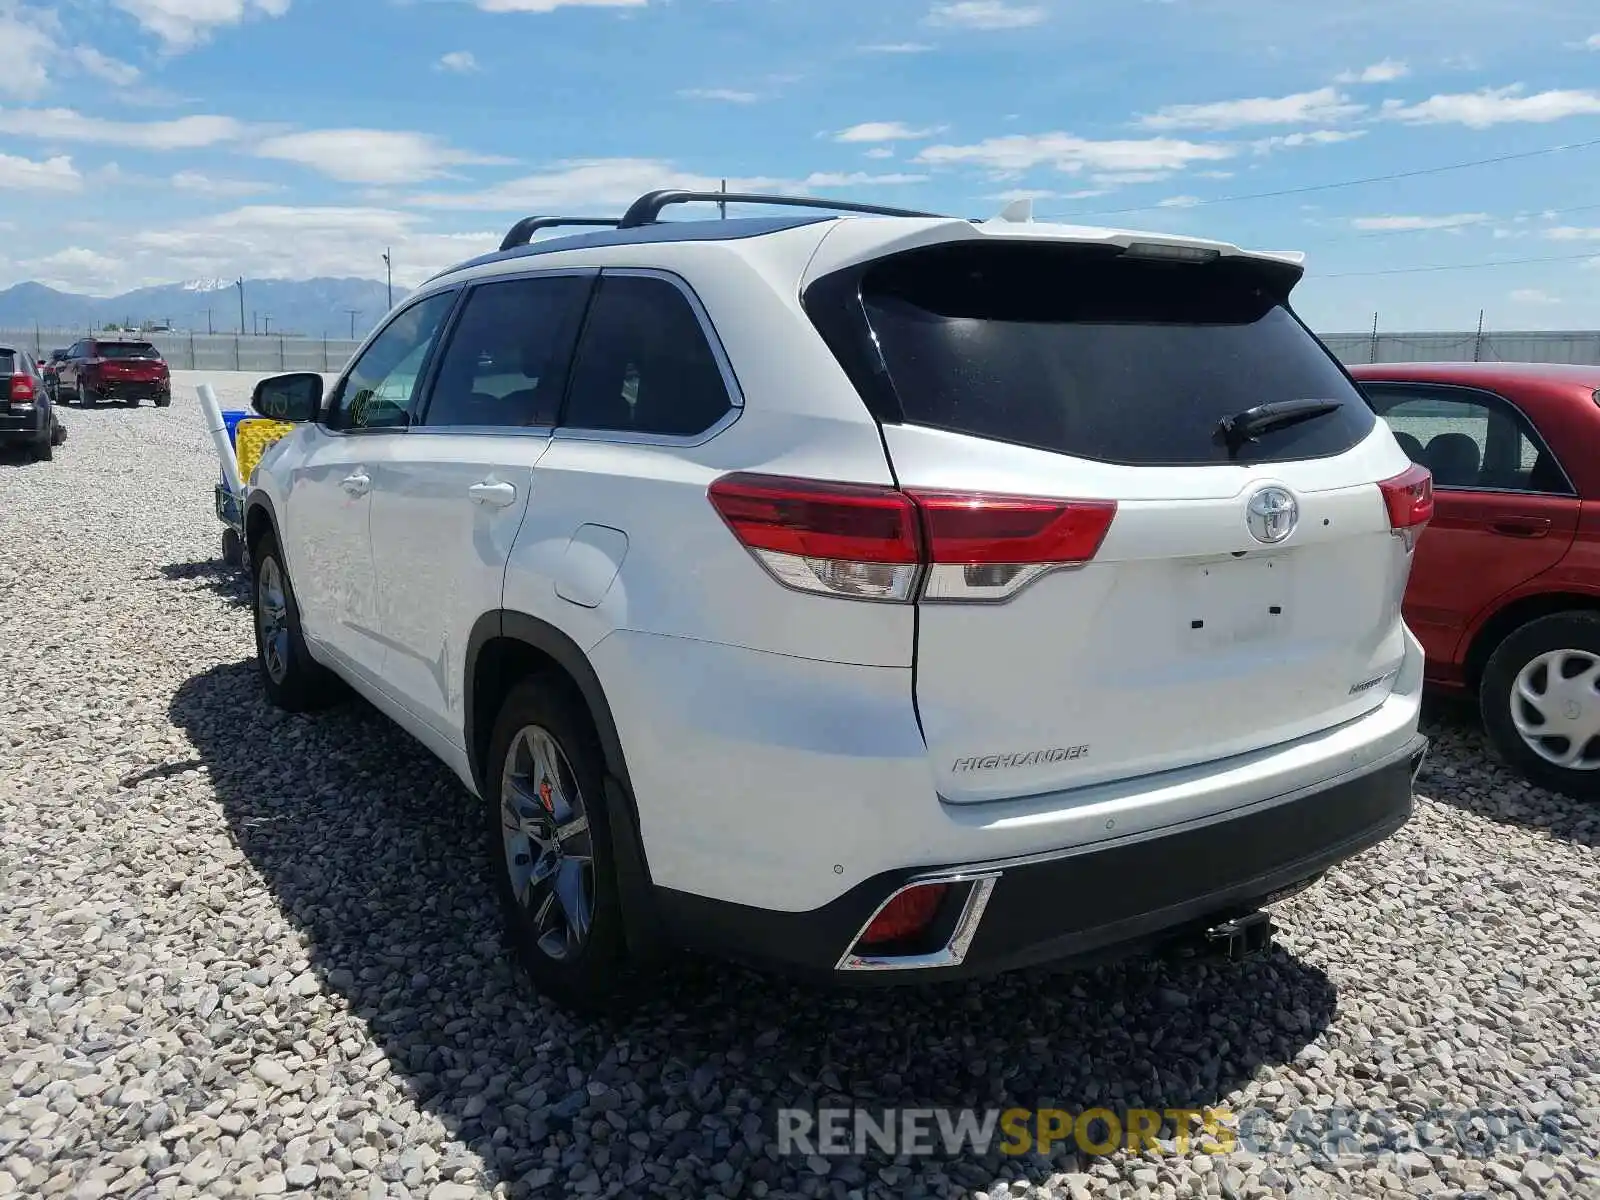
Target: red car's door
{"points": [[1503, 509]]}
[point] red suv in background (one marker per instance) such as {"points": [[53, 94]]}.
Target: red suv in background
{"points": [[125, 369], [1505, 587]]}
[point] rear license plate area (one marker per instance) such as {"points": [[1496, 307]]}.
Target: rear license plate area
{"points": [[1239, 601]]}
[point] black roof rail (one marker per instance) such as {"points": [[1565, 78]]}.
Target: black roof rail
{"points": [[647, 208], [522, 232]]}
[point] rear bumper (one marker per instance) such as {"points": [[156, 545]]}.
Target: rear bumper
{"points": [[1107, 899], [131, 389], [23, 427]]}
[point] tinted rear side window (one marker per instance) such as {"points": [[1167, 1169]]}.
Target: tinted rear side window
{"points": [[8, 363], [128, 350], [1107, 358], [644, 365]]}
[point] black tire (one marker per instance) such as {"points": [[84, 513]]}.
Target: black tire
{"points": [[132, 402], [1499, 702], [294, 682], [163, 401], [44, 449], [232, 547], [594, 976], [58, 431], [83, 396]]}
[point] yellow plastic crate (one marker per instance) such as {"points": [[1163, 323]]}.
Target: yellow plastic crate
{"points": [[251, 439]]}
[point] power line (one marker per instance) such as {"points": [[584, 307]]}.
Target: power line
{"points": [[1349, 183], [1478, 266]]}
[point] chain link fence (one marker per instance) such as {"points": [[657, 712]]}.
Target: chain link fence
{"points": [[272, 352], [207, 351]]}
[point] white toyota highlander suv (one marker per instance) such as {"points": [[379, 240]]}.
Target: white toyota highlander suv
{"points": [[871, 593]]}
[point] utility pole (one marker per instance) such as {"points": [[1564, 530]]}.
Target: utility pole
{"points": [[266, 320], [722, 205], [209, 329], [255, 323], [388, 264], [240, 286], [1477, 345], [354, 313], [1373, 355]]}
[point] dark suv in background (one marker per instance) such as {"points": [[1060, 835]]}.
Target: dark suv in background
{"points": [[125, 369], [27, 411]]}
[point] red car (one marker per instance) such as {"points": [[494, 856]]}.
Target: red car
{"points": [[1505, 587], [113, 368]]}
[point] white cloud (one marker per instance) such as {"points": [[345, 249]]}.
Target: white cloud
{"points": [[1495, 106], [205, 185], [1314, 137], [727, 95], [607, 185], [544, 6], [834, 179], [1453, 221], [369, 155], [1115, 179], [1178, 202], [1117, 159], [288, 242], [51, 175], [880, 152], [599, 185], [74, 269], [882, 131], [1572, 233], [67, 125], [1533, 296], [897, 48], [1324, 106], [986, 14], [103, 66], [1593, 43], [462, 62], [25, 48], [183, 24], [1386, 71]]}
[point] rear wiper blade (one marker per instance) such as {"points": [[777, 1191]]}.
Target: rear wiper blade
{"points": [[1250, 424]]}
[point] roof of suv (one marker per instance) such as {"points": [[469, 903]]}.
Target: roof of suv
{"points": [[874, 235]]}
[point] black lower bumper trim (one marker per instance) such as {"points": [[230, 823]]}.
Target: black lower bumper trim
{"points": [[1088, 904]]}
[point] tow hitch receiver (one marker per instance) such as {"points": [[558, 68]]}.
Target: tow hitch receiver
{"points": [[1247, 937]]}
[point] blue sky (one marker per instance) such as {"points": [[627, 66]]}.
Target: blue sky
{"points": [[148, 141]]}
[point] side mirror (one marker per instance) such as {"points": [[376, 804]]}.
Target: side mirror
{"points": [[293, 397]]}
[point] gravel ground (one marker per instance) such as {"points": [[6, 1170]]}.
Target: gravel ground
{"points": [[242, 953]]}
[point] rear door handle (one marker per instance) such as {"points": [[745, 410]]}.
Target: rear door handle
{"points": [[1522, 527], [358, 484], [492, 492]]}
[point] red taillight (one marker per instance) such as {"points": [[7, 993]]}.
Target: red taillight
{"points": [[22, 390], [908, 913], [874, 542], [1409, 499]]}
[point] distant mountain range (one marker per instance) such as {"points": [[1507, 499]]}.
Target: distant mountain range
{"points": [[312, 307]]}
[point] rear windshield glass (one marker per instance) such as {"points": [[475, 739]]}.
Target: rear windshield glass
{"points": [[8, 363], [128, 350], [1107, 358]]}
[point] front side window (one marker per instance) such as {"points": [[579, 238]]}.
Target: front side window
{"points": [[1469, 439], [644, 365], [506, 362], [381, 388]]}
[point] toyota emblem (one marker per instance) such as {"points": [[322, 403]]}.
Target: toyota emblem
{"points": [[1272, 515]]}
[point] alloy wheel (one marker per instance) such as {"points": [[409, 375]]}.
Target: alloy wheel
{"points": [[548, 847]]}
